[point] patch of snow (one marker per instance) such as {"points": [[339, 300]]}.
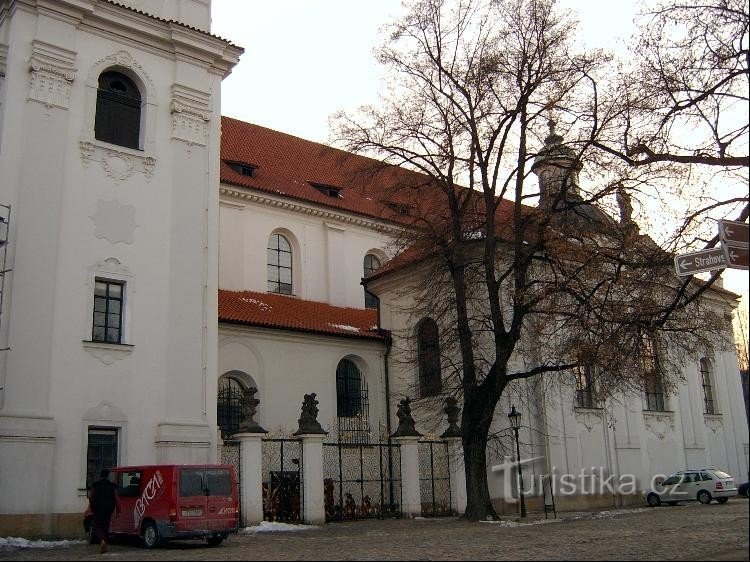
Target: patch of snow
{"points": [[344, 327], [272, 527], [263, 306], [18, 542], [507, 523]]}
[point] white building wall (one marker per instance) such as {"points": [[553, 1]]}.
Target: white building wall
{"points": [[83, 209]]}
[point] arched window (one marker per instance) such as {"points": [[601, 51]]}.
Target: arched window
{"points": [[351, 404], [279, 265], [708, 389], [229, 405], [428, 357], [118, 110], [371, 265], [652, 376]]}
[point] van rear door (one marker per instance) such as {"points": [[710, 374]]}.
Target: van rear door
{"points": [[192, 500], [221, 498]]}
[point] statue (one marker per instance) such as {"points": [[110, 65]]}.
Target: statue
{"points": [[249, 404], [452, 411], [405, 420], [308, 421]]}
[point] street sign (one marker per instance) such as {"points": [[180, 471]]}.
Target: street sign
{"points": [[737, 257], [697, 262], [734, 233]]}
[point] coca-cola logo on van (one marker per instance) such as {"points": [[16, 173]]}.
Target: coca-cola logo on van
{"points": [[153, 489]]}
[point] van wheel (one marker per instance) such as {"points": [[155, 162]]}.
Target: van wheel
{"points": [[704, 497], [151, 537], [214, 540]]}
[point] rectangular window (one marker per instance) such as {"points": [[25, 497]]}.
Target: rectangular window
{"points": [[652, 381], [101, 452], [585, 388], [108, 308]]}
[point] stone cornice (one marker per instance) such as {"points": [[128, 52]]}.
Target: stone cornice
{"points": [[298, 207]]}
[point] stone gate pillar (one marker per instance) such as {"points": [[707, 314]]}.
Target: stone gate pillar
{"points": [[251, 478], [455, 456], [312, 435], [411, 496]]}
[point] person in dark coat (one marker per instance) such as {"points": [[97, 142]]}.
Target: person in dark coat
{"points": [[104, 501]]}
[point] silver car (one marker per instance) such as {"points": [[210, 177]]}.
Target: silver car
{"points": [[702, 484]]}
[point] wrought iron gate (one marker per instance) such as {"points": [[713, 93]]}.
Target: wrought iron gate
{"points": [[229, 453], [282, 480], [361, 480], [434, 479]]}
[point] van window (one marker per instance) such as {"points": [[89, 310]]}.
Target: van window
{"points": [[129, 483], [191, 482], [219, 482]]}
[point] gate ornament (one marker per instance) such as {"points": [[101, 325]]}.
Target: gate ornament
{"points": [[308, 421], [452, 411], [405, 420], [249, 408]]}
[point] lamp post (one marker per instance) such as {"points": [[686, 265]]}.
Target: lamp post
{"points": [[515, 422]]}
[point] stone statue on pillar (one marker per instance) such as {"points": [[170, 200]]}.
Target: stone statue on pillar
{"points": [[405, 420], [308, 421], [249, 407], [452, 411]]}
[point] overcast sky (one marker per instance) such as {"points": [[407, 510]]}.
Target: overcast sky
{"points": [[306, 59]]}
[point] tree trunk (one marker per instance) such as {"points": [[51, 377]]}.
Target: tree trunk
{"points": [[475, 426]]}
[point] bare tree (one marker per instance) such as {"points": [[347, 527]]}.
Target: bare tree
{"points": [[684, 100], [519, 291]]}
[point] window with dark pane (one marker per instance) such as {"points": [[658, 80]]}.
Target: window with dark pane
{"points": [[108, 299], [279, 265], [428, 358], [352, 405], [585, 387], [118, 110], [652, 377], [371, 265], [229, 405], [101, 452], [708, 389]]}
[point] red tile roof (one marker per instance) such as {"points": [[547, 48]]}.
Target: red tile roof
{"points": [[271, 310]]}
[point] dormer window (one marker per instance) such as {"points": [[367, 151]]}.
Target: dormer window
{"points": [[328, 190], [399, 208], [242, 168]]}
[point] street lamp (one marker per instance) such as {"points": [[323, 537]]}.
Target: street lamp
{"points": [[515, 423]]}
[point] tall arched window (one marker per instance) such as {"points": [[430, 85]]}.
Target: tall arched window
{"points": [[652, 376], [371, 265], [351, 404], [118, 110], [229, 405], [428, 357], [279, 265], [708, 389]]}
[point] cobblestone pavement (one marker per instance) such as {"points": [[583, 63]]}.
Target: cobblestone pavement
{"points": [[689, 532]]}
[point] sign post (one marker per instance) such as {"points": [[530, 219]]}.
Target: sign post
{"points": [[698, 262], [735, 241]]}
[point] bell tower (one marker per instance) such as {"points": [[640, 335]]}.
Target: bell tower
{"points": [[557, 167]]}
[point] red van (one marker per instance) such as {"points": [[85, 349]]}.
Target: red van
{"points": [[164, 502]]}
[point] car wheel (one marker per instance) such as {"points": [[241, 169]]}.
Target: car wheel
{"points": [[704, 497], [214, 540], [653, 500], [722, 500], [151, 537]]}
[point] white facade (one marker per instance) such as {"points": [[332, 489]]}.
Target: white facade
{"points": [[82, 210], [156, 220]]}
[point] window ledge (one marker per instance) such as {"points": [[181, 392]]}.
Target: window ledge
{"points": [[594, 410], [108, 353], [708, 417], [118, 162]]}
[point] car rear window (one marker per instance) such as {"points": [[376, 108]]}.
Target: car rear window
{"points": [[720, 474], [218, 482]]}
